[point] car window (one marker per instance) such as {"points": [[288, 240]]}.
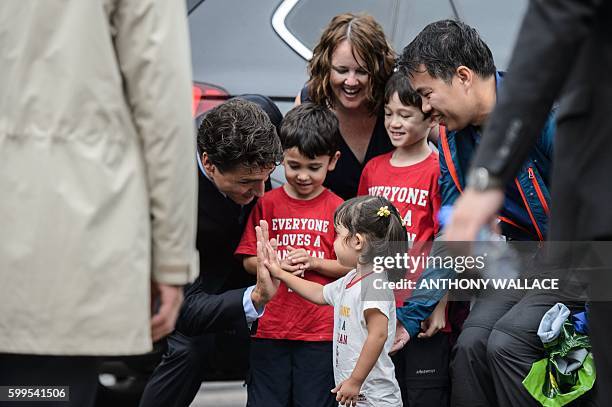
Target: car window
{"points": [[308, 18], [497, 21], [192, 4], [414, 15], [400, 19]]}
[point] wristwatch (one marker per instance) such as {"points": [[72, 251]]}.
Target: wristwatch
{"points": [[481, 180]]}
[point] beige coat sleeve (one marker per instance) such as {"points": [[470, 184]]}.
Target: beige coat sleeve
{"points": [[152, 47]]}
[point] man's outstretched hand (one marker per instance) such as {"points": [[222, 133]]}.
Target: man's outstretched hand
{"points": [[266, 285]]}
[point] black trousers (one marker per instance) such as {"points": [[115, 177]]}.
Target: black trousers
{"points": [[422, 371], [286, 373], [78, 372], [497, 347], [600, 326], [177, 379]]}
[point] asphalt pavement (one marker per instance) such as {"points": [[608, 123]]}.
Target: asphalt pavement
{"points": [[221, 394]]}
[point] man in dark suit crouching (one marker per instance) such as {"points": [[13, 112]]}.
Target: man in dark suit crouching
{"points": [[238, 149]]}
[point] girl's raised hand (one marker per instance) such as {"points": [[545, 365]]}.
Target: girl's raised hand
{"points": [[268, 255]]}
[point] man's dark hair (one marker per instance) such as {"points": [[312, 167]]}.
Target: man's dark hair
{"points": [[268, 106], [445, 45], [312, 128], [238, 132], [398, 82]]}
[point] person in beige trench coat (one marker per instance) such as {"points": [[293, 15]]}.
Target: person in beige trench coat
{"points": [[97, 180]]}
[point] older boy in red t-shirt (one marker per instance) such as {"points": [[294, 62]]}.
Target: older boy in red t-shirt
{"points": [[291, 353]]}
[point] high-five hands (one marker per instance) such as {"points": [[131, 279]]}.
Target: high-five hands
{"points": [[266, 251], [266, 286], [294, 263]]}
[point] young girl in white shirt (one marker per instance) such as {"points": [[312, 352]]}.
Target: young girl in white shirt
{"points": [[369, 230]]}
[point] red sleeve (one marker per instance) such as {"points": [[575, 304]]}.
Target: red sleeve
{"points": [[248, 242], [364, 181], [338, 202]]}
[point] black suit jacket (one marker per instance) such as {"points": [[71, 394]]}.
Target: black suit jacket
{"points": [[564, 50], [213, 303], [220, 226]]}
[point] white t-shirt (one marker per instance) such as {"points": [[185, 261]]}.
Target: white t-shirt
{"points": [[350, 300]]}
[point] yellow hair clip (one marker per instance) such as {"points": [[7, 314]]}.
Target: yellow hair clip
{"points": [[383, 211]]}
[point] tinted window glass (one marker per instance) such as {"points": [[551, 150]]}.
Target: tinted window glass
{"points": [[414, 15], [308, 18], [192, 4], [497, 21]]}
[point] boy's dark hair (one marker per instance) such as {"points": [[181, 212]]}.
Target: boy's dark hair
{"points": [[312, 128], [385, 234], [398, 82], [445, 45], [238, 132]]}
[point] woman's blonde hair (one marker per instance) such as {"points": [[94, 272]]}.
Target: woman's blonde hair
{"points": [[368, 42]]}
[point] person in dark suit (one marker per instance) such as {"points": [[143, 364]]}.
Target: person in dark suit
{"points": [[564, 52], [238, 149]]}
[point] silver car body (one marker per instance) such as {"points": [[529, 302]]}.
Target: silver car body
{"points": [[262, 46]]}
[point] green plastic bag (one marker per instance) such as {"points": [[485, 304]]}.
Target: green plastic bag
{"points": [[548, 383]]}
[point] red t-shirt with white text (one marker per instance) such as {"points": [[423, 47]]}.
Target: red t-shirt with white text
{"points": [[307, 224], [413, 190]]}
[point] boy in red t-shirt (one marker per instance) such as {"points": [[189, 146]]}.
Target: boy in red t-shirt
{"points": [[291, 353], [408, 177]]}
